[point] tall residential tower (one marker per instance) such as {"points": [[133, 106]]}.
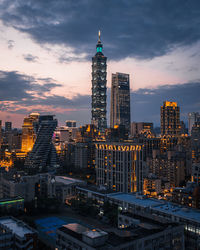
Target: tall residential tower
{"points": [[99, 88], [120, 101], [170, 119]]}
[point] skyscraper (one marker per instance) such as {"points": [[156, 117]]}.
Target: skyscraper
{"points": [[8, 126], [170, 119], [43, 155], [120, 166], [192, 118], [120, 101], [28, 132], [99, 87]]}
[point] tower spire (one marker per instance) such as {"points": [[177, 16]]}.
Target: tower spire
{"points": [[99, 36]]}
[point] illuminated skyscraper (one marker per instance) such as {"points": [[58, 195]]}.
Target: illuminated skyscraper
{"points": [[120, 166], [120, 101], [28, 132], [170, 119], [99, 88], [43, 155]]}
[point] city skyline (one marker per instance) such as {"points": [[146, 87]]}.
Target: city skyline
{"points": [[46, 57]]}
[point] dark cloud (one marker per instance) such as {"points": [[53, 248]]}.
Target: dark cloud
{"points": [[20, 93], [30, 58], [16, 87], [142, 29], [146, 102], [10, 44]]}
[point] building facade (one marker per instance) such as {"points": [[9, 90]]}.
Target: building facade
{"points": [[119, 166], [170, 119], [169, 167], [192, 118], [99, 88], [70, 123], [28, 132], [120, 101], [20, 234], [141, 128], [43, 154], [8, 126]]}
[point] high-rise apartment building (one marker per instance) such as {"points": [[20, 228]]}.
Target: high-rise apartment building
{"points": [[28, 132], [120, 101], [170, 119], [120, 166], [195, 142], [140, 128], [99, 88], [8, 126], [70, 123], [43, 155], [192, 118]]}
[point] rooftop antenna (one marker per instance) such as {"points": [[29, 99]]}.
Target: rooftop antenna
{"points": [[99, 36]]}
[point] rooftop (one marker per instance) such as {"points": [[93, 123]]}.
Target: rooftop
{"points": [[180, 211], [77, 228], [67, 180], [96, 189], [94, 233], [158, 205], [11, 200], [135, 200], [17, 227]]}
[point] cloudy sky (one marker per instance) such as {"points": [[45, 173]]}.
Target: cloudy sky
{"points": [[46, 48]]}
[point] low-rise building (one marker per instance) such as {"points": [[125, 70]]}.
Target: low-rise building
{"points": [[75, 236], [41, 185], [16, 203], [20, 234], [154, 209], [6, 238]]}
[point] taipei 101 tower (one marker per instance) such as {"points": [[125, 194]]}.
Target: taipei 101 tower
{"points": [[99, 88]]}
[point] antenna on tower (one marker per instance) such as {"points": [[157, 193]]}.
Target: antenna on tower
{"points": [[99, 36]]}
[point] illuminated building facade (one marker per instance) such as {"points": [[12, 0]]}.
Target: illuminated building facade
{"points": [[99, 88], [152, 186], [170, 167], [28, 132], [43, 155], [119, 166], [195, 142], [120, 101], [195, 176], [170, 119], [142, 128], [187, 196]]}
